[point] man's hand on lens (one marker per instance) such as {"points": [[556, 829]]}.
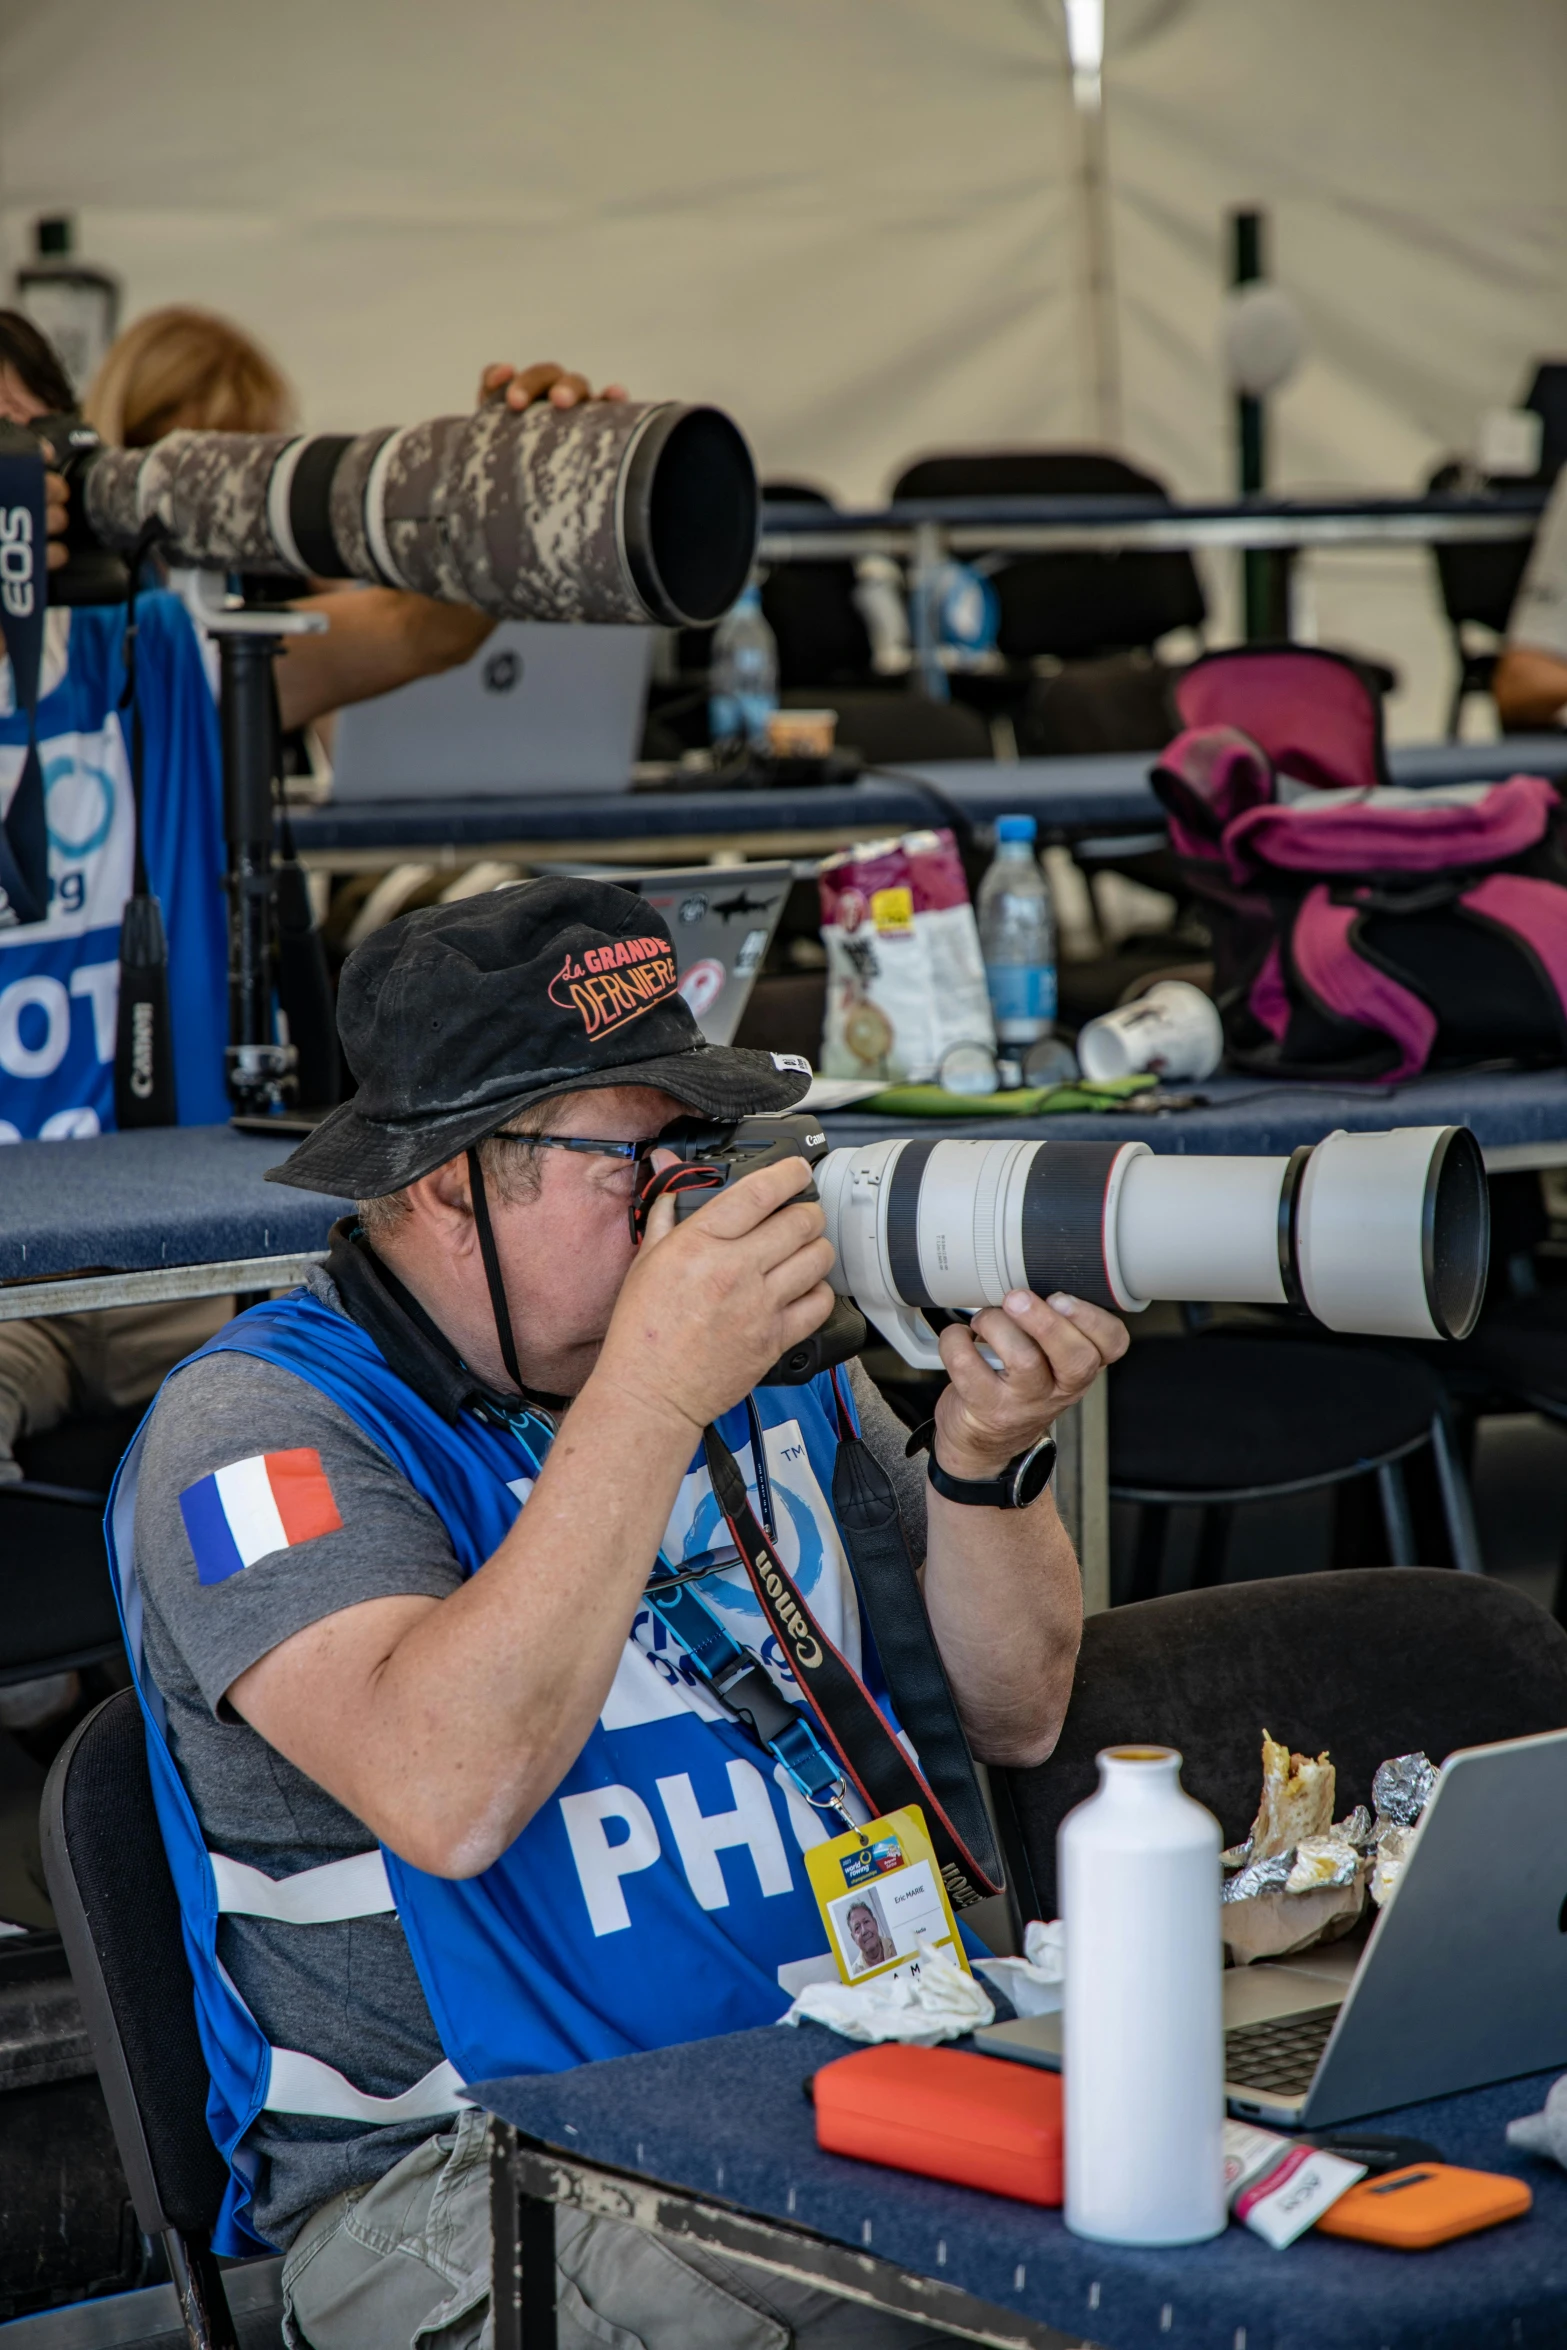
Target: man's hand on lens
{"points": [[1051, 1350], [711, 1303], [519, 387]]}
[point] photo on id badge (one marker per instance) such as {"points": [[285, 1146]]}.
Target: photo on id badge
{"points": [[881, 1898]]}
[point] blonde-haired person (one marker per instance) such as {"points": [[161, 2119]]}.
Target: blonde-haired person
{"points": [[179, 367]]}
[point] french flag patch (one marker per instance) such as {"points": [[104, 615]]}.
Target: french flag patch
{"points": [[251, 1508]]}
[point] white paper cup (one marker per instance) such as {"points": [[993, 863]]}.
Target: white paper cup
{"points": [[1174, 1031]]}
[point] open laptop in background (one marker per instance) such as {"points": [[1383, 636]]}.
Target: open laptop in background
{"points": [[540, 708], [721, 918], [1462, 1982]]}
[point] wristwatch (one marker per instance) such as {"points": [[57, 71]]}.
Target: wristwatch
{"points": [[1022, 1481]]}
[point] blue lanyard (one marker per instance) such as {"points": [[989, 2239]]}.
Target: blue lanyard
{"points": [[734, 1676]]}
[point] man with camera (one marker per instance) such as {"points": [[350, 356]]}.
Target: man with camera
{"points": [[517, 1824]]}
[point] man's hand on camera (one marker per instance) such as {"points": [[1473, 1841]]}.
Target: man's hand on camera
{"points": [[1052, 1350], [518, 387], [711, 1303]]}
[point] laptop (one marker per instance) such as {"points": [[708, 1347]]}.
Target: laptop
{"points": [[540, 708], [721, 918], [1462, 1982]]}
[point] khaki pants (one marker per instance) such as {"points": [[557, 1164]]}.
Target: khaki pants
{"points": [[66, 1364], [407, 2262]]}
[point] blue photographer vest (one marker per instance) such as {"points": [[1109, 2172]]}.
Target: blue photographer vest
{"points": [[657, 1896], [60, 978]]}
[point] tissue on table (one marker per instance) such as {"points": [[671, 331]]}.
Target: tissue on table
{"points": [[1035, 1982], [941, 2002]]}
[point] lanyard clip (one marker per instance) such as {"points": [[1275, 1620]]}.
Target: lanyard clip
{"points": [[830, 1800]]}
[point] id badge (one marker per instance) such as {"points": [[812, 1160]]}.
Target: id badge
{"points": [[882, 1899]]}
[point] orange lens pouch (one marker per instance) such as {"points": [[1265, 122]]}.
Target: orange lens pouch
{"points": [[1424, 2204], [970, 2119]]}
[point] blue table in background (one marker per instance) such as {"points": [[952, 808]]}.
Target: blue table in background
{"points": [[1518, 1116], [714, 2144], [121, 1219], [127, 1219], [1078, 797]]}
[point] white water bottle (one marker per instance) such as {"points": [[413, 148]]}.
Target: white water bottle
{"points": [[1143, 2030]]}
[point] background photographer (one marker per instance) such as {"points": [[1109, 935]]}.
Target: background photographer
{"points": [[176, 367], [585, 1851]]}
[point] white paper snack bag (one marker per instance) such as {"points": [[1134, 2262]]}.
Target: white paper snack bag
{"points": [[905, 981]]}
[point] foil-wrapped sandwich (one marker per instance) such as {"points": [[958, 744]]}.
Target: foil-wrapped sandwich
{"points": [[1302, 1877]]}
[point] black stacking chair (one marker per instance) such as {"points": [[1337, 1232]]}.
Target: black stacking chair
{"points": [[114, 1899], [1219, 1420], [1361, 1663], [810, 607], [1077, 630], [824, 660]]}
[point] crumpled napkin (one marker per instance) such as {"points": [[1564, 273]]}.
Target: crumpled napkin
{"points": [[1544, 2133], [1034, 1982], [940, 2003]]}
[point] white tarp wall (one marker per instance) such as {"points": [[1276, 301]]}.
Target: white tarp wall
{"points": [[855, 222]]}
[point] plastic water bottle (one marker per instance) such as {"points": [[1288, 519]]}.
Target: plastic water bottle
{"points": [[1017, 937], [743, 680]]}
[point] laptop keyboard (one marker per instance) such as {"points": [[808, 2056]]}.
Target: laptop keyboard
{"points": [[1280, 2056]]}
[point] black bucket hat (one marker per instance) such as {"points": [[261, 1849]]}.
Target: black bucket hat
{"points": [[455, 1018]]}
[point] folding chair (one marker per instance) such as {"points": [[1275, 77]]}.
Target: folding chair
{"points": [[114, 1899]]}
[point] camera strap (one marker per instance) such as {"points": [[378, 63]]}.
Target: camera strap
{"points": [[869, 1752], [144, 1031], [24, 544]]}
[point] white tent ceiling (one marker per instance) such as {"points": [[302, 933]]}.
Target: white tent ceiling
{"points": [[855, 222]]}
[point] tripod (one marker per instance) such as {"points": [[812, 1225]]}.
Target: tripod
{"points": [[261, 1068]]}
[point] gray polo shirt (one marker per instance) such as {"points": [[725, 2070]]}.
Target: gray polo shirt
{"points": [[347, 1992]]}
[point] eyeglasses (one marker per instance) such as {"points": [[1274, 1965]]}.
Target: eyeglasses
{"points": [[589, 1143]]}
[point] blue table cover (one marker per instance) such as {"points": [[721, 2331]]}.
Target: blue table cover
{"points": [[1247, 1115], [175, 1195], [195, 1195], [727, 2119], [1108, 792]]}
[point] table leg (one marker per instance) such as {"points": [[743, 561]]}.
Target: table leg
{"points": [[1083, 1491]]}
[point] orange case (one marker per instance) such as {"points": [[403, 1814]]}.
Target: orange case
{"points": [[970, 2119], [1426, 2203]]}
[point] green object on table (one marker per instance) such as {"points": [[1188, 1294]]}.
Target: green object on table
{"points": [[1029, 1101]]}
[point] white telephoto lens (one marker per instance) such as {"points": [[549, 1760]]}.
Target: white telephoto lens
{"points": [[1381, 1233], [1391, 1232], [1201, 1228]]}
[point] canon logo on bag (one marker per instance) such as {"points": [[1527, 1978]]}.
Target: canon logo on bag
{"points": [[16, 561]]}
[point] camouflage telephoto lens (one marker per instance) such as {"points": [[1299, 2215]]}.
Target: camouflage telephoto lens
{"points": [[613, 511]]}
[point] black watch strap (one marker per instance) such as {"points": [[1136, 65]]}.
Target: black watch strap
{"points": [[1022, 1481]]}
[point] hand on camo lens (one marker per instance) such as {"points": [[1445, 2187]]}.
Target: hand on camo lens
{"points": [[519, 387]]}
